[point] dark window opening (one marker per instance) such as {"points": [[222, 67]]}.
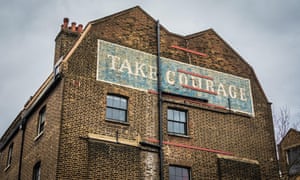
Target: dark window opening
{"points": [[41, 120], [9, 155], [36, 171], [293, 158]]}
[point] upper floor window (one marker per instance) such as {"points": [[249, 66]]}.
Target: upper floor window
{"points": [[179, 173], [41, 120], [36, 175], [9, 155], [177, 121], [116, 108]]}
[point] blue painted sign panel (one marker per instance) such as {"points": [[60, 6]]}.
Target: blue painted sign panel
{"points": [[136, 69]]}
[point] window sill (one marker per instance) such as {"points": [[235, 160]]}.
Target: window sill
{"points": [[38, 136], [117, 122], [7, 167], [179, 135]]}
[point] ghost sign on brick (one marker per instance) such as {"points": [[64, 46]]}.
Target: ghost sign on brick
{"points": [[136, 69]]}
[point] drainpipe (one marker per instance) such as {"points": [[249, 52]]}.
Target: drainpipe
{"points": [[160, 123], [23, 128]]}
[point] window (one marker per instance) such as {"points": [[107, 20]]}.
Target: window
{"points": [[293, 160], [9, 155], [179, 173], [177, 122], [116, 108], [36, 175], [293, 154], [42, 118]]}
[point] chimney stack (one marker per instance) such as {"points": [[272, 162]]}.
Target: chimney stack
{"points": [[72, 28], [66, 38]]}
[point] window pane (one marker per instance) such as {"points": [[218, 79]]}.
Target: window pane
{"points": [[176, 128], [172, 170], [178, 173], [115, 114], [170, 127], [182, 116], [185, 173], [176, 115], [170, 114], [116, 102], [41, 127], [181, 129], [122, 115], [109, 113], [123, 104], [172, 177], [109, 101]]}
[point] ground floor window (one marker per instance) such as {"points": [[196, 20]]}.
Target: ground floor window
{"points": [[179, 173]]}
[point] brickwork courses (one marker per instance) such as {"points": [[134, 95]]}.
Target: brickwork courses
{"points": [[238, 134], [82, 144]]}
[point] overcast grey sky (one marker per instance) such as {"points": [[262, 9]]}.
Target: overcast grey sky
{"points": [[266, 33]]}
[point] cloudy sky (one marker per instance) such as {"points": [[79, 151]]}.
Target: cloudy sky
{"points": [[266, 33]]}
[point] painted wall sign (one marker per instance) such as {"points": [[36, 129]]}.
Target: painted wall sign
{"points": [[136, 69]]}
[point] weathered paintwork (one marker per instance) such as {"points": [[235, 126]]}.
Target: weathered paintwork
{"points": [[136, 69]]}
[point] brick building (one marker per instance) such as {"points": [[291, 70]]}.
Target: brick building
{"points": [[289, 155], [130, 100]]}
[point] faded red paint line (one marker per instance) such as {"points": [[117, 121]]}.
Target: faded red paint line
{"points": [[191, 147], [195, 74], [198, 89], [189, 50]]}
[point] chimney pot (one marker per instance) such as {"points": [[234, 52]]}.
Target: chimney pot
{"points": [[79, 28], [73, 28], [66, 23]]}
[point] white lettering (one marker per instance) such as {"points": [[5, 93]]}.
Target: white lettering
{"points": [[183, 79], [172, 77], [243, 94], [125, 65], [170, 80], [196, 82], [232, 91], [152, 73], [210, 85], [114, 60], [221, 89], [139, 68]]}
